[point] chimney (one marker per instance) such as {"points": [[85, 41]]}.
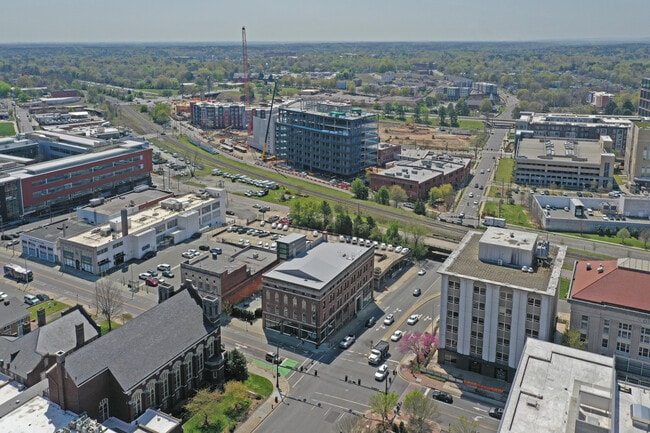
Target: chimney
{"points": [[40, 317], [26, 328], [79, 334], [165, 291], [125, 222], [589, 266], [59, 389]]}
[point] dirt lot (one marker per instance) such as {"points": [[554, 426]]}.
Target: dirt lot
{"points": [[422, 136]]}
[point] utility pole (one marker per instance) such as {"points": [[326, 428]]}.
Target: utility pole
{"points": [[277, 366]]}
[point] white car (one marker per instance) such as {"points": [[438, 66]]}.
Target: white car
{"points": [[422, 272], [164, 267], [413, 319], [144, 275], [397, 335], [389, 319], [194, 252], [3, 295], [381, 372], [187, 255]]}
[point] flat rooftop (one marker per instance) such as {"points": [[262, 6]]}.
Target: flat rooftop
{"points": [[137, 222], [319, 265], [551, 379], [428, 166], [464, 262], [114, 205], [254, 258], [54, 231], [583, 151]]}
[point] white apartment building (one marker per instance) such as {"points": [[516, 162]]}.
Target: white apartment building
{"points": [[498, 288]]}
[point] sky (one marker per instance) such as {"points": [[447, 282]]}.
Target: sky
{"points": [[29, 21]]}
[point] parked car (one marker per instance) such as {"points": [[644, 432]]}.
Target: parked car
{"points": [[371, 321], [168, 274], [347, 341], [3, 295], [204, 247], [442, 396], [216, 250], [413, 319], [496, 412], [422, 272], [31, 300], [164, 267], [151, 282], [397, 335], [144, 275], [381, 372], [41, 297], [152, 273], [389, 319], [417, 292]]}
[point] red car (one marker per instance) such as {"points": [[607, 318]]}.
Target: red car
{"points": [[151, 282]]}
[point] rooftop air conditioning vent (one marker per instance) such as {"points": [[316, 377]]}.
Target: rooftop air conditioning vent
{"points": [[601, 268], [589, 266]]}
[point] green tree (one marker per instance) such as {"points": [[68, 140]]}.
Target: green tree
{"points": [[623, 234], [572, 338], [420, 410], [485, 107], [326, 210], [442, 114], [5, 89], [419, 208], [200, 402], [644, 236], [359, 189], [371, 222], [343, 224], [462, 109], [383, 404], [392, 235], [465, 425], [401, 112], [397, 194], [453, 117], [236, 368], [161, 113], [382, 196]]}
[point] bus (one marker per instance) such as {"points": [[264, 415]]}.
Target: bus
{"points": [[18, 273], [241, 149], [227, 148]]}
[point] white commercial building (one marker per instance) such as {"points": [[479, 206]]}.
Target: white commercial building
{"points": [[134, 236], [498, 289]]}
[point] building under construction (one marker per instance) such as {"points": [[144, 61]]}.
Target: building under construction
{"points": [[327, 138]]}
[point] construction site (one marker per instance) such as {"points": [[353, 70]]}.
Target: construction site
{"points": [[424, 137]]}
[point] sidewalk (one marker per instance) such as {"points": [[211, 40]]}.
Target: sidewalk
{"points": [[459, 383]]}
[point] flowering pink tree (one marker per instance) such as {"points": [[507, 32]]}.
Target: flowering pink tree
{"points": [[419, 343]]}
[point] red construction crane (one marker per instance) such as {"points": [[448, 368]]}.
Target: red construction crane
{"points": [[247, 94]]}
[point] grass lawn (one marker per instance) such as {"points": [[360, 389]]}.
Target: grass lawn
{"points": [[612, 239], [568, 266], [505, 170], [564, 287], [7, 129], [470, 124], [104, 326], [50, 308], [259, 385], [514, 214], [228, 409]]}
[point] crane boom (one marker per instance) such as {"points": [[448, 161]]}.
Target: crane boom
{"points": [[268, 121], [247, 95]]}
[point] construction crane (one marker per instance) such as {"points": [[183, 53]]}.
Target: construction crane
{"points": [[247, 94], [268, 123]]}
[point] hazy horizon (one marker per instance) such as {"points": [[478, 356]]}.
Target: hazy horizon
{"points": [[293, 21]]}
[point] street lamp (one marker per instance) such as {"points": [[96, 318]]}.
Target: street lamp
{"points": [[277, 367]]}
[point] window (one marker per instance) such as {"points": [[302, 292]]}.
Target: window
{"points": [[622, 347], [645, 336], [188, 369], [644, 352], [625, 330], [104, 413], [584, 322], [151, 393], [606, 327], [137, 402], [176, 374], [604, 343], [164, 379]]}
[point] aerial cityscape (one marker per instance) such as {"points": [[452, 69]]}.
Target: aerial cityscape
{"points": [[375, 218]]}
